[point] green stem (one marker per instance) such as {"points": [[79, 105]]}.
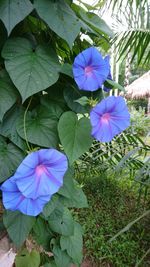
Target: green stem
{"points": [[24, 125]]}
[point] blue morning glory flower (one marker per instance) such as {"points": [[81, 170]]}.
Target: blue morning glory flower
{"points": [[109, 118], [13, 199], [41, 173], [107, 59], [38, 177], [90, 70]]}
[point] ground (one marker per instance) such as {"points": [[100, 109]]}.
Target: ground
{"points": [[113, 203]]}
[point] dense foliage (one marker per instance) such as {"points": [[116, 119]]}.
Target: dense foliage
{"points": [[39, 41], [43, 111]]}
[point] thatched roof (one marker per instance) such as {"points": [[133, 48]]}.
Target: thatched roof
{"points": [[140, 88]]}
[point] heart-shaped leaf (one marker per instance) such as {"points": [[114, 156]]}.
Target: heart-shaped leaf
{"points": [[61, 221], [72, 194], [61, 257], [10, 157], [8, 127], [14, 11], [8, 93], [60, 18], [73, 244], [31, 69], [40, 128], [27, 259], [18, 226], [75, 135]]}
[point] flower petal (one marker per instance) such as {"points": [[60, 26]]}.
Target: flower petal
{"points": [[47, 176], [103, 133], [109, 118], [13, 199], [90, 70]]}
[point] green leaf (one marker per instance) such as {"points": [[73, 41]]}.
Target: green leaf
{"points": [[93, 21], [31, 69], [61, 221], [67, 69], [96, 23], [83, 101], [51, 264], [41, 129], [14, 11], [72, 94], [60, 18], [55, 94], [53, 108], [8, 96], [73, 196], [50, 206], [61, 257], [8, 127], [73, 244], [42, 233], [109, 83], [3, 35], [10, 157], [71, 132], [27, 259], [18, 226]]}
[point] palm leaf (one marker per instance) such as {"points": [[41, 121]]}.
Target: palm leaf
{"points": [[132, 29]]}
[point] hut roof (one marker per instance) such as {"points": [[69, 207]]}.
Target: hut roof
{"points": [[140, 88]]}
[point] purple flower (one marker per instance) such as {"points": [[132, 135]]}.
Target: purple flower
{"points": [[90, 70], [109, 118], [38, 177], [107, 59], [13, 199]]}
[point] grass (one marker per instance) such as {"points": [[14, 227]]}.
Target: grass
{"points": [[112, 205]]}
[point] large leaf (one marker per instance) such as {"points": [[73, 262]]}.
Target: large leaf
{"points": [[50, 264], [14, 11], [96, 23], [60, 18], [93, 21], [3, 34], [8, 96], [67, 70], [75, 135], [73, 244], [53, 108], [10, 157], [73, 195], [61, 257], [50, 206], [61, 221], [31, 69], [42, 233], [18, 226], [72, 96], [8, 127], [55, 94], [27, 259], [40, 127]]}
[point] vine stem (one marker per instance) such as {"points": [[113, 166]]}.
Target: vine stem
{"points": [[24, 125]]}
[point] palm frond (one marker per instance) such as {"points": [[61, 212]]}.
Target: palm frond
{"points": [[123, 152], [132, 27]]}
